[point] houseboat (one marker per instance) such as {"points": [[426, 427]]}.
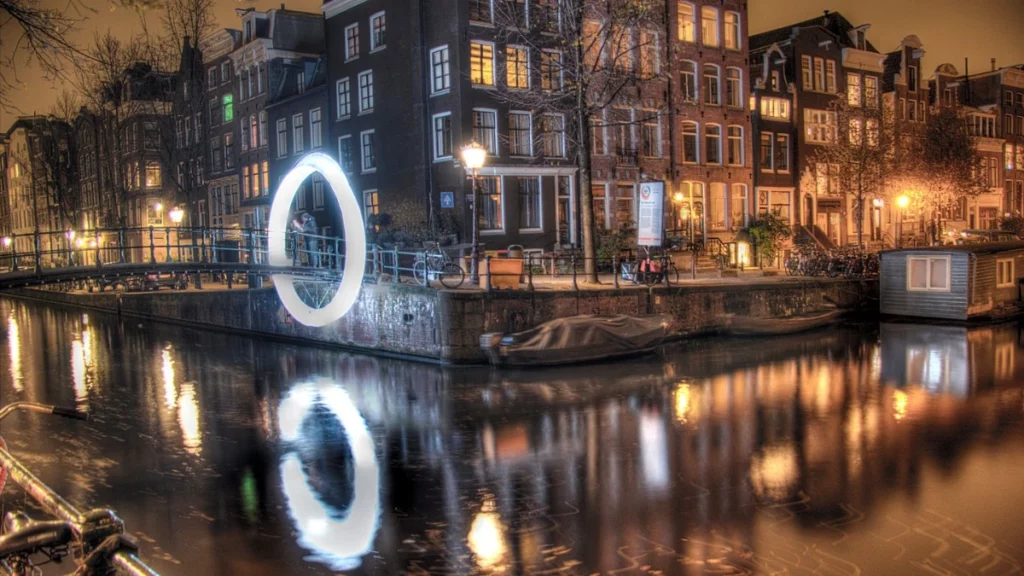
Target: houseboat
{"points": [[961, 282]]}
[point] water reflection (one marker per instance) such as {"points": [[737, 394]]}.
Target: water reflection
{"points": [[14, 352], [829, 452], [331, 479]]}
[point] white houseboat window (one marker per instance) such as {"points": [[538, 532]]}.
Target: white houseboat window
{"points": [[928, 274], [1004, 273]]}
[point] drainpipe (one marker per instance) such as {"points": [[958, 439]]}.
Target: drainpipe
{"points": [[428, 176]]}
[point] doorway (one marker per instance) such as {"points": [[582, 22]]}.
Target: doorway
{"points": [[808, 219]]}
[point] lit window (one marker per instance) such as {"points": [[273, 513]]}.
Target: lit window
{"points": [[709, 26], [687, 22], [853, 93], [481, 64], [153, 179], [1004, 273], [517, 66], [485, 129], [734, 87], [732, 30], [735, 155], [229, 107], [774, 108], [819, 126], [554, 136], [490, 215]]}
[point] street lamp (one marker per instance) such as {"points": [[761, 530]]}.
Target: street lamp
{"points": [[158, 207], [902, 202], [177, 215], [473, 157], [7, 241]]}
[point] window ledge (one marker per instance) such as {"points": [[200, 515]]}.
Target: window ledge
{"points": [[531, 230], [441, 92], [481, 24], [492, 232], [442, 159], [378, 48], [343, 118], [366, 112], [369, 171], [352, 59], [484, 87]]}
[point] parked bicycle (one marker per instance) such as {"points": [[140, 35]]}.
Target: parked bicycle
{"points": [[651, 271], [435, 264], [95, 540]]}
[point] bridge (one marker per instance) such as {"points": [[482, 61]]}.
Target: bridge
{"points": [[111, 257]]}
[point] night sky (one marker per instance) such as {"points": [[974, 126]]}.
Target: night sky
{"points": [[950, 30]]}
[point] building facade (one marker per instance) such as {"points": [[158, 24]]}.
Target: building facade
{"points": [[221, 208]]}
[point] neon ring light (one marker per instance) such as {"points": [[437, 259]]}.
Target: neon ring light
{"points": [[355, 241], [338, 541]]}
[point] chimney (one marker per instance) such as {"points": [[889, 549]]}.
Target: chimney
{"points": [[993, 64], [282, 5]]}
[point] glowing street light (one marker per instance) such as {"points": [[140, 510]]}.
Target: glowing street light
{"points": [[903, 202], [177, 215], [7, 241], [158, 207], [473, 157]]}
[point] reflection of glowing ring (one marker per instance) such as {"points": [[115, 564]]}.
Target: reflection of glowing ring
{"points": [[340, 542], [355, 240]]}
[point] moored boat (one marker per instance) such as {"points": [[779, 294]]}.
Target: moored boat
{"points": [[576, 340], [749, 326]]}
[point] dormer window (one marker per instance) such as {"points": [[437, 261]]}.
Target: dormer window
{"points": [[300, 82], [861, 40], [248, 31]]}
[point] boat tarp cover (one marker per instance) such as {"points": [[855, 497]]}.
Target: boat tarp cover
{"points": [[584, 337]]}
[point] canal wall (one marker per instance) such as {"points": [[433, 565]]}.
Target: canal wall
{"points": [[446, 326]]}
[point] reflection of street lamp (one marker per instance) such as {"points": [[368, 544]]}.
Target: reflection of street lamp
{"points": [[902, 202], [158, 207], [474, 156]]}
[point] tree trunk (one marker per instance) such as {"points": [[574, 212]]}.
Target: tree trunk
{"points": [[586, 199], [858, 212]]}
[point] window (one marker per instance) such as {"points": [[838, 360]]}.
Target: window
{"points": [[732, 30], [481, 64], [830, 76], [734, 87], [520, 140], [344, 90], [871, 92], [254, 132], [300, 198], [214, 112], [711, 85], [650, 135], [716, 206], [266, 178], [480, 11], [912, 115], [255, 180], [345, 155], [687, 22], [1008, 125], [216, 155], [774, 108], [246, 192], [282, 138], [805, 67], [368, 154], [315, 135], [738, 206], [298, 137], [229, 150], [1008, 156], [153, 179], [690, 146], [259, 79], [1020, 125], [766, 152], [1004, 273], [249, 83], [853, 89], [352, 42], [443, 136], [371, 206], [485, 130], [366, 98], [648, 54], [819, 126], [928, 274], [529, 203], [856, 131], [440, 81], [490, 216], [826, 179], [188, 134], [517, 67], [912, 78], [318, 191], [735, 150], [903, 108], [554, 136], [245, 127], [378, 31], [229, 107], [688, 80], [709, 26], [551, 70], [713, 143], [1020, 156], [225, 72], [211, 78], [782, 152]]}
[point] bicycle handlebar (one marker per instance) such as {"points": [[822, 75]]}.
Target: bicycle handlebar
{"points": [[128, 564], [43, 408]]}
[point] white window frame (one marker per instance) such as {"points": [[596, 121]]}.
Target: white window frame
{"points": [[341, 159], [446, 73], [316, 138], [718, 27], [348, 56], [743, 146], [493, 145], [1009, 280], [692, 20], [697, 135], [433, 130], [739, 30], [721, 155], [374, 47], [494, 64], [562, 145], [359, 88], [529, 143], [366, 206], [698, 71], [362, 156], [281, 129], [298, 143], [540, 206], [526, 50], [347, 83], [928, 273]]}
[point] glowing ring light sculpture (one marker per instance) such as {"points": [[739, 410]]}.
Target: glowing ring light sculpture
{"points": [[340, 542], [355, 241]]}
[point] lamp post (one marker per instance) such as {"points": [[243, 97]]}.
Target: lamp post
{"points": [[7, 245], [177, 215], [902, 202], [473, 157]]}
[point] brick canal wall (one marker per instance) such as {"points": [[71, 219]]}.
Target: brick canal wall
{"points": [[446, 326]]}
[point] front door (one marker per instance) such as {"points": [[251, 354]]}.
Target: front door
{"points": [[808, 211], [835, 221]]}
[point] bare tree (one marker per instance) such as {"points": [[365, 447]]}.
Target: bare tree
{"points": [[589, 55], [33, 33], [56, 173], [863, 151]]}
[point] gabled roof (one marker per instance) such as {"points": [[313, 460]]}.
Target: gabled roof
{"points": [[833, 22], [893, 66]]}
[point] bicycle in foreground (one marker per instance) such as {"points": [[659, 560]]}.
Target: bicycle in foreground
{"points": [[435, 264], [95, 540]]}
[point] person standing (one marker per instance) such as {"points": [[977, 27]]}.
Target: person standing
{"points": [[308, 228]]}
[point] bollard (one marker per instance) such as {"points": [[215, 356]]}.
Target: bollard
{"points": [[167, 243], [14, 252], [615, 272], [487, 273], [395, 279], [152, 247], [529, 271], [572, 263], [39, 264]]}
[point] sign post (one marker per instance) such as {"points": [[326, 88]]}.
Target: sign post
{"points": [[651, 228]]}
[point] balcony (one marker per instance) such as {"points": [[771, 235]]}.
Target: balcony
{"points": [[627, 156]]}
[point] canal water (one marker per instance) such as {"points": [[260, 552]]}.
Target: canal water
{"points": [[892, 449]]}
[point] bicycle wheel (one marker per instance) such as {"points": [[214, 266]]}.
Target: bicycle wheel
{"points": [[451, 276], [672, 274], [419, 272]]}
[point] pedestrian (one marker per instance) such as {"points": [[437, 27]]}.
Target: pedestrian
{"points": [[308, 228]]}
